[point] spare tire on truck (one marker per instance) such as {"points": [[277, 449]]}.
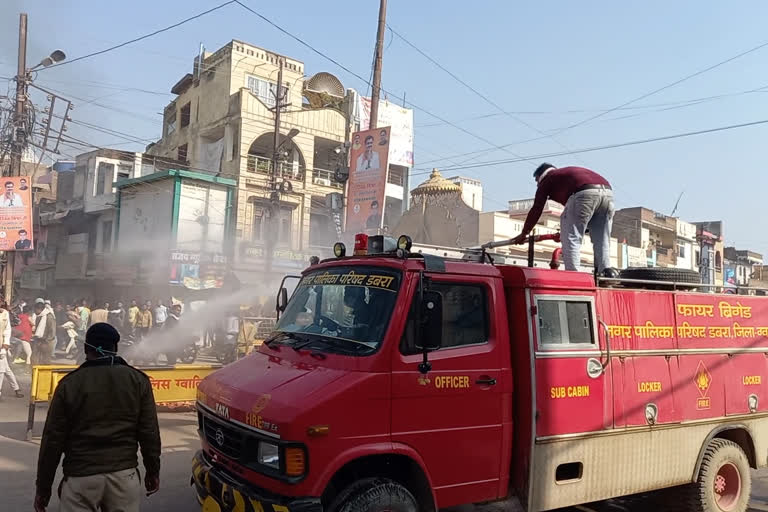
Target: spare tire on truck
{"points": [[685, 279]]}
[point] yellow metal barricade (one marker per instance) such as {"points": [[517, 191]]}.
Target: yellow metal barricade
{"points": [[173, 386]]}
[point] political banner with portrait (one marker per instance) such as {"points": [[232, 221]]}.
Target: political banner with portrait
{"points": [[400, 121], [16, 214], [368, 164]]}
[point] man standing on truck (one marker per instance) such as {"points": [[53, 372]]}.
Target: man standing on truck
{"points": [[588, 201]]}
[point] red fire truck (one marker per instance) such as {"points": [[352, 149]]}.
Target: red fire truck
{"points": [[397, 381]]}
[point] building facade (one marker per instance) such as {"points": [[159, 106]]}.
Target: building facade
{"points": [[176, 228], [471, 191], [667, 241], [223, 122], [709, 236], [740, 265]]}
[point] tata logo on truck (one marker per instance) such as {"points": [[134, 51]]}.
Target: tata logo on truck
{"points": [[222, 410]]}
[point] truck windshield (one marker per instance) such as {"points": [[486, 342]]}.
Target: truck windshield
{"points": [[343, 310]]}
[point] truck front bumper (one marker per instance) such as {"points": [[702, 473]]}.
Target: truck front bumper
{"points": [[217, 491]]}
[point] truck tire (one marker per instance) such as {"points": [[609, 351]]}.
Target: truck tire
{"points": [[375, 495], [661, 274], [725, 482]]}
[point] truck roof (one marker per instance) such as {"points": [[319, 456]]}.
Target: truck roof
{"points": [[513, 276]]}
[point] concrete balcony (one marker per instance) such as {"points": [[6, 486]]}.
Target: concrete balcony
{"points": [[325, 178], [288, 170]]}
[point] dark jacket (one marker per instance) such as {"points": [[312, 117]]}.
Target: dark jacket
{"points": [[99, 415]]}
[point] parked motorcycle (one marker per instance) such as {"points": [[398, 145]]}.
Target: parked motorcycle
{"points": [[226, 349], [189, 354]]}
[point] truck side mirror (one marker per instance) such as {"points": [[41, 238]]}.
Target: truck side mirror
{"points": [[431, 318], [282, 300]]}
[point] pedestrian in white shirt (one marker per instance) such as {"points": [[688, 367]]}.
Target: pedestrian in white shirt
{"points": [[5, 345], [161, 314]]}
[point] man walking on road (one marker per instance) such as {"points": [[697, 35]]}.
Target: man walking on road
{"points": [[5, 352], [99, 417], [44, 336], [588, 201]]}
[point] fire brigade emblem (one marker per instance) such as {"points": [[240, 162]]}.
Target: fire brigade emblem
{"points": [[260, 404], [423, 380], [703, 380]]}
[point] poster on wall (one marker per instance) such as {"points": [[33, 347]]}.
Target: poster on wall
{"points": [[367, 180], [400, 121], [16, 215]]}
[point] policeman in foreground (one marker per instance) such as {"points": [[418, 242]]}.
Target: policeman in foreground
{"points": [[99, 416]]}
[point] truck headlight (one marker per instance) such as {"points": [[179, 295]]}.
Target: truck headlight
{"points": [[269, 455]]}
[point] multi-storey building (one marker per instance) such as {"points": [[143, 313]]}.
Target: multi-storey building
{"points": [[223, 122]]}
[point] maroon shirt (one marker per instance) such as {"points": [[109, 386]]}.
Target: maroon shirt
{"points": [[558, 185]]}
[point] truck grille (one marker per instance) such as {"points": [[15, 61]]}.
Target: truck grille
{"points": [[229, 440]]}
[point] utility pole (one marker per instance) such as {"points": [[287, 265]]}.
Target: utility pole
{"points": [[376, 88], [19, 139], [19, 135], [274, 193], [276, 140]]}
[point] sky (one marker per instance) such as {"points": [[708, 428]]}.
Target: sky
{"points": [[548, 65]]}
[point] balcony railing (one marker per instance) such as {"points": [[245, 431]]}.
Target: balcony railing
{"points": [[262, 165], [395, 179], [325, 178]]}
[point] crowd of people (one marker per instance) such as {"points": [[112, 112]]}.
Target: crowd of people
{"points": [[41, 329]]}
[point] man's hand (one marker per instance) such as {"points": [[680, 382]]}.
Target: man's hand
{"points": [[152, 484], [519, 239], [41, 503]]}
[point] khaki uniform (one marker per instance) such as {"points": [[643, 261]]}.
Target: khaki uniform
{"points": [[99, 417], [110, 492]]}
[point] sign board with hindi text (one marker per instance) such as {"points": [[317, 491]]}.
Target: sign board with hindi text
{"points": [[16, 214], [171, 384]]}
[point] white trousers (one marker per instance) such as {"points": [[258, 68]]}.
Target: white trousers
{"points": [[5, 371]]}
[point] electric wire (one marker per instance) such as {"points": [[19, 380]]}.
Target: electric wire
{"points": [[140, 38]]}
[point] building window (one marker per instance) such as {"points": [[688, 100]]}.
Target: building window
{"points": [[182, 153], [697, 257], [257, 227], [104, 175], [564, 322], [265, 90], [106, 236], [186, 112], [718, 261], [465, 317], [123, 173], [680, 250], [170, 122]]}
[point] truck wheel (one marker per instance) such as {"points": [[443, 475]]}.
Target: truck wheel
{"points": [[375, 495], [724, 482]]}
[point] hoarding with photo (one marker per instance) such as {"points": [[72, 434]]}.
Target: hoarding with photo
{"points": [[369, 160], [16, 214], [400, 121]]}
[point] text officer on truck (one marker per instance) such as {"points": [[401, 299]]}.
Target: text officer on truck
{"points": [[588, 201]]}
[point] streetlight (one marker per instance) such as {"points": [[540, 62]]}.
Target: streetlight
{"points": [[54, 58]]}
